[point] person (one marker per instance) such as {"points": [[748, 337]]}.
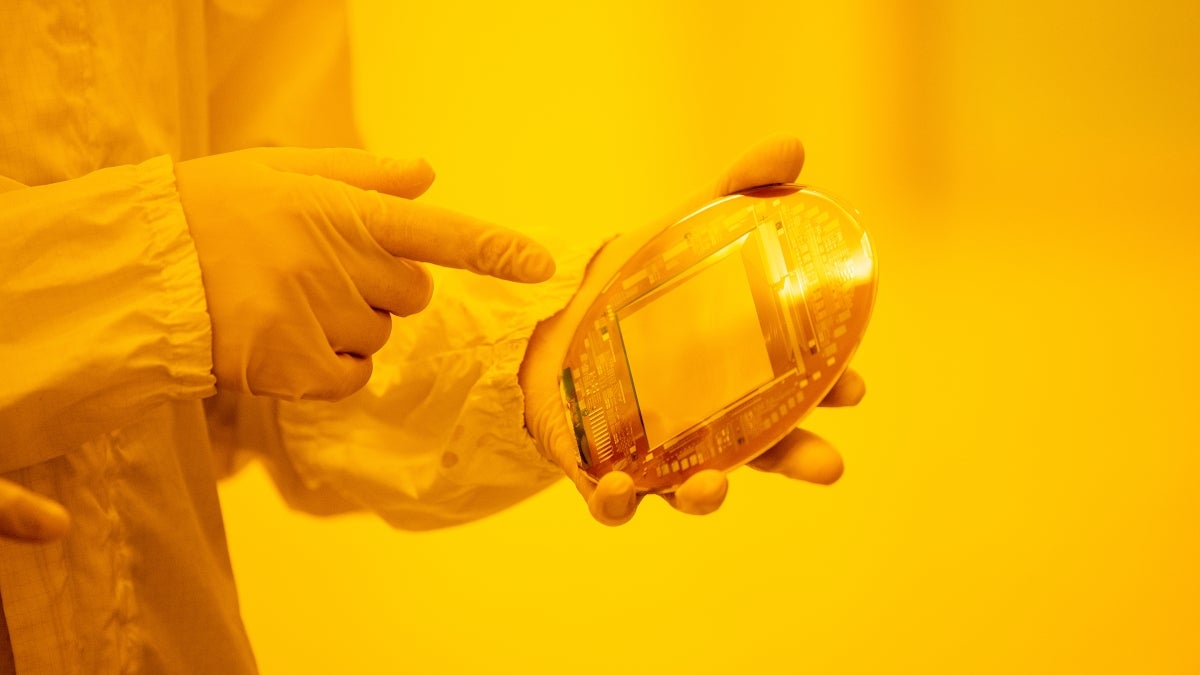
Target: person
{"points": [[197, 268]]}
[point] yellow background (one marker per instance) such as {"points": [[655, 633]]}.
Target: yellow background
{"points": [[1021, 485]]}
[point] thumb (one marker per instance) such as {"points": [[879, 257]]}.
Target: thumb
{"points": [[776, 159], [407, 178]]}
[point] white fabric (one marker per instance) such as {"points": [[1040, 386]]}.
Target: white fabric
{"points": [[105, 342]]}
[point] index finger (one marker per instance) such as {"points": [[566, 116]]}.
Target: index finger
{"points": [[441, 236]]}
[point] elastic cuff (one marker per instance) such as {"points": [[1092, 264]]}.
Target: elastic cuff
{"points": [[186, 319]]}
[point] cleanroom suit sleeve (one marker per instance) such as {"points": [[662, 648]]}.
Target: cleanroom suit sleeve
{"points": [[437, 437], [102, 312]]}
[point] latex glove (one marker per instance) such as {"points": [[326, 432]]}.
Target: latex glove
{"points": [[29, 516], [306, 254], [614, 500]]}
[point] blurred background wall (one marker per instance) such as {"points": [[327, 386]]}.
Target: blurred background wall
{"points": [[1021, 484]]}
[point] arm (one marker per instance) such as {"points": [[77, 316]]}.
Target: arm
{"points": [[299, 257], [102, 318], [442, 433], [254, 104], [103, 309], [437, 437]]}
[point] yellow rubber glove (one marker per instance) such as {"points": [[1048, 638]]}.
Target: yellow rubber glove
{"points": [[306, 254], [613, 500], [29, 516]]}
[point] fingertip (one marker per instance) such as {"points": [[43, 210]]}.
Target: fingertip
{"points": [[702, 493], [780, 157], [775, 159], [31, 517], [424, 287], [802, 455], [353, 371], [405, 178], [825, 467], [536, 264], [849, 390], [53, 521], [413, 288], [813, 459], [423, 176], [509, 255], [789, 158], [614, 500]]}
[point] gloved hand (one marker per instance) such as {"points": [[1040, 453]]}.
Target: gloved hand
{"points": [[614, 500], [306, 254], [29, 516]]}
